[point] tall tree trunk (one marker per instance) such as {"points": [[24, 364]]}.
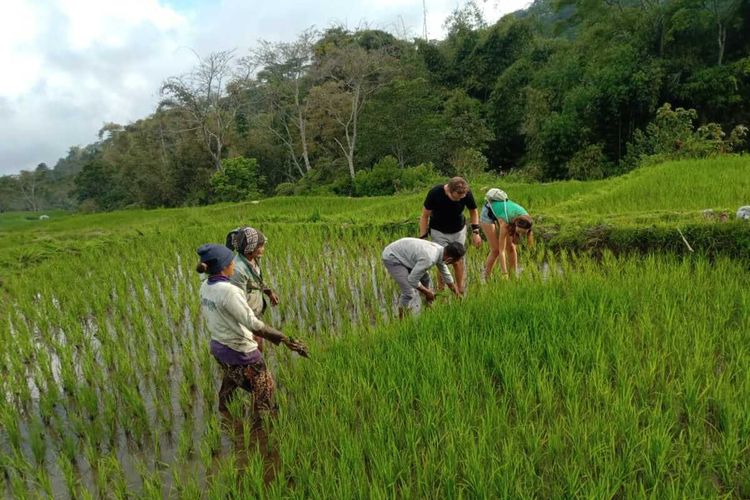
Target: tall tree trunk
{"points": [[301, 127]]}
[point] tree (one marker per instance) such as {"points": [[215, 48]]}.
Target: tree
{"points": [[465, 127], [722, 13], [31, 186], [8, 192], [352, 75], [404, 120], [285, 66], [204, 102], [98, 183]]}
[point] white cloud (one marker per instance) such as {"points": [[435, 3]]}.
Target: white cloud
{"points": [[70, 66]]}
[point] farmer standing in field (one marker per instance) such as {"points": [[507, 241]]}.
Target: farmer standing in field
{"points": [[503, 222], [232, 324], [443, 221], [407, 260], [250, 245]]}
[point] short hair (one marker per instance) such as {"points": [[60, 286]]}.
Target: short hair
{"points": [[455, 250], [458, 185]]}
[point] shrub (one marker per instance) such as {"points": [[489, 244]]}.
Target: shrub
{"points": [[588, 163], [381, 180], [469, 163], [284, 189], [422, 175], [238, 181], [386, 178], [672, 136]]}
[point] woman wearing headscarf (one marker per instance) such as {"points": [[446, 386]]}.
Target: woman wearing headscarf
{"points": [[250, 244], [233, 327]]}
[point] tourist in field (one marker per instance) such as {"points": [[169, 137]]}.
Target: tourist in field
{"points": [[443, 221], [408, 261], [504, 222], [230, 322], [250, 245]]}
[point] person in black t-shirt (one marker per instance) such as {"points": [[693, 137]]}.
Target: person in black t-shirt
{"points": [[443, 220]]}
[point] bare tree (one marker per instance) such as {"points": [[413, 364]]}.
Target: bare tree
{"points": [[722, 12], [352, 75], [30, 185], [284, 68], [204, 101]]}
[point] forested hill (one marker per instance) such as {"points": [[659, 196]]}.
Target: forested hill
{"points": [[579, 89]]}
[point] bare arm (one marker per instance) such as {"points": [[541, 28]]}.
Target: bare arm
{"points": [[424, 222], [476, 240], [473, 216]]}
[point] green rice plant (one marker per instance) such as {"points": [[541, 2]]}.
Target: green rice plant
{"points": [[185, 444], [151, 481], [91, 452], [68, 472], [186, 398], [224, 481], [211, 442], [43, 483], [185, 486], [69, 446], [37, 441], [110, 478]]}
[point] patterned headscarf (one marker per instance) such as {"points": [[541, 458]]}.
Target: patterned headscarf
{"points": [[245, 240]]}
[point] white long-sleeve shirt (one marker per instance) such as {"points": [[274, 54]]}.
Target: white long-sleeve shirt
{"points": [[419, 256], [228, 317]]}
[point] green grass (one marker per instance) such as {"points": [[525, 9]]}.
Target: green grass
{"points": [[600, 376], [680, 186], [620, 378]]}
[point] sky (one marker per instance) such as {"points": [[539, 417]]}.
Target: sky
{"points": [[70, 66]]}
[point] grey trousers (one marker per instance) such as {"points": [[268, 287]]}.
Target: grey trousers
{"points": [[409, 294]]}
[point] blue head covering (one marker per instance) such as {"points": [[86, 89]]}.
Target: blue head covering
{"points": [[216, 257]]}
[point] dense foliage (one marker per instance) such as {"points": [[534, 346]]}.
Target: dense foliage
{"points": [[579, 89]]}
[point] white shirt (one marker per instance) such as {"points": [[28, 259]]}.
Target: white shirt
{"points": [[228, 317], [418, 255]]}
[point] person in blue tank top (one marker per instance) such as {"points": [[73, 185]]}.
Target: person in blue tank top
{"points": [[503, 222]]}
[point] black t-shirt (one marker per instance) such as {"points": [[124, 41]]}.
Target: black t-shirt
{"points": [[447, 215]]}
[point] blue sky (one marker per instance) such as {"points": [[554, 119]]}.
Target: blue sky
{"points": [[71, 66]]}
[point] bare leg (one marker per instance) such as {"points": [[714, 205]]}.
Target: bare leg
{"points": [[226, 393], [490, 232], [460, 269], [512, 253]]}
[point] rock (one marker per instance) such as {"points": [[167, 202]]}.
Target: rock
{"points": [[43, 217], [743, 213]]}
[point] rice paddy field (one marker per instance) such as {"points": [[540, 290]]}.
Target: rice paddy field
{"points": [[621, 372]]}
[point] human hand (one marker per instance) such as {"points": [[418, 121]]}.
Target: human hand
{"points": [[273, 298], [429, 295], [297, 346], [476, 240]]}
